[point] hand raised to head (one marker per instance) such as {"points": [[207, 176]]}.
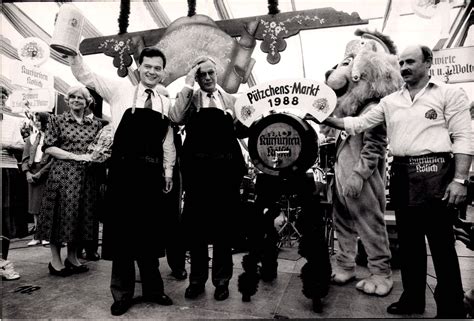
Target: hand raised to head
{"points": [[191, 76]]}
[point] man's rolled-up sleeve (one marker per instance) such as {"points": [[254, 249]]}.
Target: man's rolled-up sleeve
{"points": [[357, 125], [105, 87], [169, 153], [458, 120]]}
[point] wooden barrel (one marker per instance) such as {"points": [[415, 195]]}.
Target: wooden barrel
{"points": [[282, 144]]}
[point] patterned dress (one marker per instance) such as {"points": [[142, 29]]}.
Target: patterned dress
{"points": [[67, 212]]}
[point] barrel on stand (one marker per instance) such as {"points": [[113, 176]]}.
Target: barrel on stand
{"points": [[282, 144]]}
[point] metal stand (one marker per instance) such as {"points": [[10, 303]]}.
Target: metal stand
{"points": [[288, 233]]}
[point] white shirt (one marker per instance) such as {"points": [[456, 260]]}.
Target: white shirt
{"points": [[206, 100], [10, 138], [120, 97], [32, 138], [436, 120]]}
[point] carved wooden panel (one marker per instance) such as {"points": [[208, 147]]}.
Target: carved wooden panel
{"points": [[272, 31]]}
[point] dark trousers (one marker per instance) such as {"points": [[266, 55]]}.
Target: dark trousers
{"points": [[176, 256], [221, 264], [122, 283], [435, 222]]}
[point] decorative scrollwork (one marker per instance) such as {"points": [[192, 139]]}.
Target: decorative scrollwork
{"points": [[122, 51], [275, 30]]}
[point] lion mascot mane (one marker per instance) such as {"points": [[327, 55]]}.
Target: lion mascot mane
{"points": [[368, 72]]}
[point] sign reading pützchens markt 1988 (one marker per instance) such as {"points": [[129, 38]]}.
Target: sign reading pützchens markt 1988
{"points": [[453, 64], [301, 96]]}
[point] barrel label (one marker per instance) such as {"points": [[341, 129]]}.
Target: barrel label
{"points": [[279, 145], [299, 96]]}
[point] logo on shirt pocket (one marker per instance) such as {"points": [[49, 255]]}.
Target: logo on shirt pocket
{"points": [[431, 114]]}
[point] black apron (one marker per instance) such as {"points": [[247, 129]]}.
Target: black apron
{"points": [[135, 224], [212, 168], [419, 180]]}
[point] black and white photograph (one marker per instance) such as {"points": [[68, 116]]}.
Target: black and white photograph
{"points": [[237, 159]]}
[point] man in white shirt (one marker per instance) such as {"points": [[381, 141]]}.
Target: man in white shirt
{"points": [[141, 165], [427, 123]]}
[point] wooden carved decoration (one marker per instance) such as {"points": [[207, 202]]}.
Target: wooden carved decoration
{"points": [[121, 48], [189, 38], [271, 29], [283, 26]]}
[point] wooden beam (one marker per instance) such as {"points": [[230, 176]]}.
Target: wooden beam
{"points": [[271, 31], [235, 27]]}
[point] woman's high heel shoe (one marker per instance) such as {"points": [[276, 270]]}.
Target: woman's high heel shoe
{"points": [[63, 272], [75, 268]]}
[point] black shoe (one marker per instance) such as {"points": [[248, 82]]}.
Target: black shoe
{"points": [[317, 305], [161, 299], [92, 256], [402, 308], [193, 291], [75, 269], [120, 307], [179, 274], [63, 272], [221, 293]]}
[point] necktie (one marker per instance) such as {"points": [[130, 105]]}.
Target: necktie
{"points": [[33, 149], [212, 100], [148, 102]]}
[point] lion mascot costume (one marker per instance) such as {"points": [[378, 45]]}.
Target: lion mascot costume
{"points": [[368, 72]]}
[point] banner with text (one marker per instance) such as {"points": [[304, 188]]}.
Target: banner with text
{"points": [[300, 96], [34, 100], [28, 76], [453, 65]]}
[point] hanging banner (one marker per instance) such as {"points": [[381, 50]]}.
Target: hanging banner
{"points": [[33, 51], [300, 96], [33, 100], [28, 76], [453, 65]]}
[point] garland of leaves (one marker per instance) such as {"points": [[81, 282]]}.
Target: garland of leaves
{"points": [[273, 7], [191, 8], [124, 15]]}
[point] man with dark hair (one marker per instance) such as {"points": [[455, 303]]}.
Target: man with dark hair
{"points": [[429, 128], [212, 167], [141, 165], [151, 52]]}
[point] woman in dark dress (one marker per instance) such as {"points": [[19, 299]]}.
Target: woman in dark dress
{"points": [[67, 207]]}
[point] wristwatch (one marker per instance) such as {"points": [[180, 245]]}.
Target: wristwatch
{"points": [[464, 182]]}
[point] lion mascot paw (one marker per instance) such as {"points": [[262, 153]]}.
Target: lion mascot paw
{"points": [[341, 276], [376, 285]]}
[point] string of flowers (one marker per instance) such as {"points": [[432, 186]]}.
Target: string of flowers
{"points": [[123, 16], [273, 7], [191, 8]]}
